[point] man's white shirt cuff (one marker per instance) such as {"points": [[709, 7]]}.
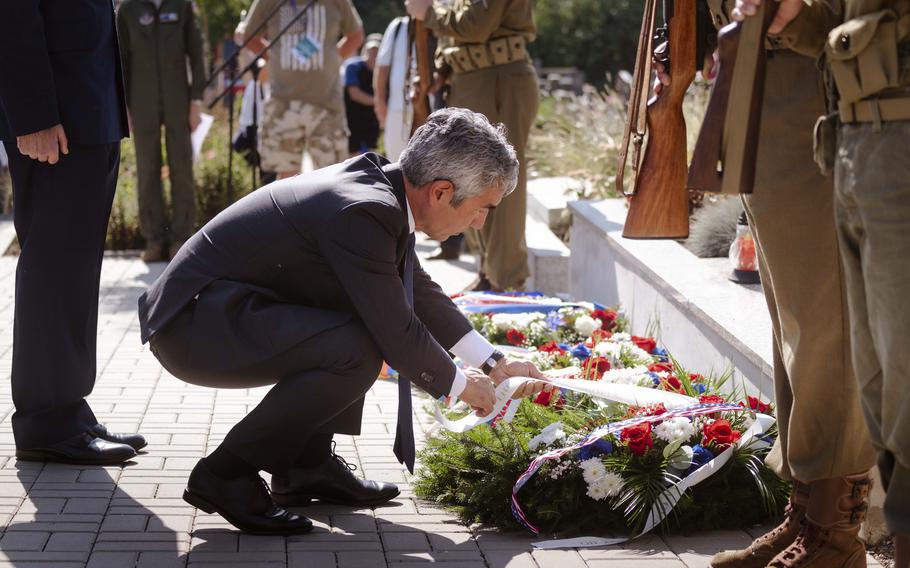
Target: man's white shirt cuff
{"points": [[473, 349]]}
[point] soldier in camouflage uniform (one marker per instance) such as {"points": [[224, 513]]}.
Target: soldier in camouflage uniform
{"points": [[306, 107], [485, 44], [868, 61]]}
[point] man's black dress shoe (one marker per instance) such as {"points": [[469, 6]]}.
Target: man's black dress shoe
{"points": [[135, 441], [244, 502], [332, 482], [83, 449]]}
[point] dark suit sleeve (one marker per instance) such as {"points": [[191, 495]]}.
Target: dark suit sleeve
{"points": [[26, 78], [359, 244], [437, 311], [194, 52], [123, 36]]}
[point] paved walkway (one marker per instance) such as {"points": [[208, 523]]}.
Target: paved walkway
{"points": [[60, 516]]}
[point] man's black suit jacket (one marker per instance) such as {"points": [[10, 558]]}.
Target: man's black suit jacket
{"points": [[333, 240], [57, 58]]}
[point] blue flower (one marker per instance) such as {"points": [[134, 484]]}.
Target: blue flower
{"points": [[699, 388], [599, 447], [700, 456], [554, 320], [661, 354], [655, 378], [565, 346], [581, 352]]}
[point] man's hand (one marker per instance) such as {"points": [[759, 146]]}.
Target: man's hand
{"points": [[478, 392], [417, 8], [44, 145], [509, 368], [785, 14], [663, 78], [195, 115]]}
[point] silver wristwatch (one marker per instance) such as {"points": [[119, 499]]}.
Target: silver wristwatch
{"points": [[495, 357]]}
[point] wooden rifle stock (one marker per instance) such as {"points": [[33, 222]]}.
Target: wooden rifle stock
{"points": [[419, 37], [659, 203], [725, 153]]}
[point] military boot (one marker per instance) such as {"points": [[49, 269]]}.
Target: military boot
{"points": [[829, 537], [768, 545]]}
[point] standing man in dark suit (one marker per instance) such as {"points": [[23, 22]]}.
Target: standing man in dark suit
{"points": [[62, 116], [308, 284]]}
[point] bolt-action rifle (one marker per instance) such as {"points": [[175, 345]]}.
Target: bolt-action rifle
{"points": [[419, 38], [724, 158], [658, 202]]}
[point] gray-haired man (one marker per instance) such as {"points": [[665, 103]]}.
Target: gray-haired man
{"points": [[308, 284]]}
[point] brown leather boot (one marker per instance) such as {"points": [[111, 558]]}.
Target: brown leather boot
{"points": [[901, 550], [767, 546], [829, 535]]}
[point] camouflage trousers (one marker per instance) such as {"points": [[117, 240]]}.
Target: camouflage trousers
{"points": [[872, 207], [291, 127]]}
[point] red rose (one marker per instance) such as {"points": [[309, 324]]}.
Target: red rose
{"points": [[595, 367], [719, 434], [638, 438], [711, 399], [647, 344], [672, 384], [660, 367], [551, 347], [696, 378], [607, 318], [756, 404], [600, 335], [515, 337], [543, 398]]}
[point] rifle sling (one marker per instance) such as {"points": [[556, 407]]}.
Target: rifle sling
{"points": [[638, 99]]}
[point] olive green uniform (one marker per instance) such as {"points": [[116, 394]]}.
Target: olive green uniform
{"points": [[791, 214], [485, 44], [868, 56], [156, 44]]}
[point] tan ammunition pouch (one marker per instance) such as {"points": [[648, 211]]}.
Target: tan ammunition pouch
{"points": [[876, 109], [471, 57], [863, 54]]}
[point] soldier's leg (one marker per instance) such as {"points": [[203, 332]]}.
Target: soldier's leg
{"points": [[180, 168], [147, 142], [327, 136], [507, 254], [873, 191], [281, 137]]}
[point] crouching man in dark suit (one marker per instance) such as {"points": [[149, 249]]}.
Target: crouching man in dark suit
{"points": [[62, 103], [309, 284]]}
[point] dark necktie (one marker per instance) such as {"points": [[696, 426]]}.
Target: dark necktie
{"points": [[404, 433]]}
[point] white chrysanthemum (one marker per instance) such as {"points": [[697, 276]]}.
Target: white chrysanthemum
{"points": [[682, 458], [607, 349], [597, 492], [611, 483], [622, 337], [547, 436], [592, 470], [585, 325], [631, 376], [674, 429]]}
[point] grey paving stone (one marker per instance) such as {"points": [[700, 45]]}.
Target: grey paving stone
{"points": [[558, 559], [70, 541], [112, 559], [509, 559], [32, 541], [161, 560], [360, 559], [315, 560]]}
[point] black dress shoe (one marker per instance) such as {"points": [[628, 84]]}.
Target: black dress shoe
{"points": [[83, 449], [479, 284], [135, 441], [332, 482], [244, 502]]}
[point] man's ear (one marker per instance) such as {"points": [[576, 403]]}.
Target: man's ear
{"points": [[441, 192]]}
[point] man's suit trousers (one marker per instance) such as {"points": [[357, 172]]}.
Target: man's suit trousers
{"points": [[791, 212], [321, 362], [61, 214]]}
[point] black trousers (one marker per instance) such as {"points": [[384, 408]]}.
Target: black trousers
{"points": [[321, 362], [61, 214]]}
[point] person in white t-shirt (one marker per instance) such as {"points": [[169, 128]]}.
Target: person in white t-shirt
{"points": [[393, 109]]}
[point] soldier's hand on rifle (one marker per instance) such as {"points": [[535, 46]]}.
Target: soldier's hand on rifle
{"points": [[663, 78], [785, 14], [417, 8]]}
